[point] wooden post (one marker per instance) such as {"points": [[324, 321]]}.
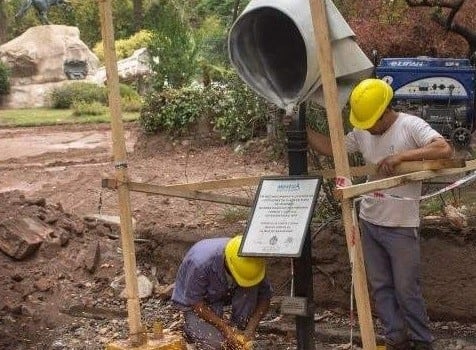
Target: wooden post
{"points": [[137, 334], [329, 84]]}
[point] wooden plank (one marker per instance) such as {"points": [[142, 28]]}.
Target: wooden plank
{"points": [[341, 161], [218, 184], [119, 151], [360, 189], [191, 190], [403, 168], [181, 193]]}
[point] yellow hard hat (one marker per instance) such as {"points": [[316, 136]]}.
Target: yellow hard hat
{"points": [[247, 271], [368, 101]]}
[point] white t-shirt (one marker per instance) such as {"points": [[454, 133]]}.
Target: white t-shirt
{"points": [[407, 132]]}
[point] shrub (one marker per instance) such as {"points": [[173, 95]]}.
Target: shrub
{"points": [[81, 108], [173, 110], [235, 214], [236, 112], [63, 97], [127, 91], [131, 104], [126, 47], [4, 79], [130, 98], [244, 115]]}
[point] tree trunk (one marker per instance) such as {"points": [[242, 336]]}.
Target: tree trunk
{"points": [[138, 14], [447, 20], [3, 22], [236, 7]]}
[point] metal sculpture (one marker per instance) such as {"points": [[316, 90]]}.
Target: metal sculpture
{"points": [[41, 7]]}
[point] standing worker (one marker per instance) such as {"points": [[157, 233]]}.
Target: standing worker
{"points": [[211, 276], [390, 238]]}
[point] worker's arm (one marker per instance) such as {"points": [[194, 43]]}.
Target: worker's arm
{"points": [[318, 142], [258, 314], [438, 148], [231, 335]]}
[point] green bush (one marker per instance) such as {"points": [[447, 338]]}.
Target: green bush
{"points": [[4, 79], [173, 110], [130, 98], [81, 108], [127, 91], [126, 47], [244, 115], [63, 97], [236, 112], [131, 104]]}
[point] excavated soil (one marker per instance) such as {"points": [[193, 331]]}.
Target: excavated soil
{"points": [[67, 294]]}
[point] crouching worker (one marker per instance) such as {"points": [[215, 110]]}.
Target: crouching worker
{"points": [[211, 276]]}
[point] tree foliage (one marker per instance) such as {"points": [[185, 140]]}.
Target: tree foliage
{"points": [[83, 14], [223, 9], [3, 22], [172, 47], [4, 79], [453, 15], [395, 29], [390, 26]]}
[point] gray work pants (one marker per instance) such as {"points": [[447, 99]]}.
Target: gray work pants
{"points": [[392, 262]]}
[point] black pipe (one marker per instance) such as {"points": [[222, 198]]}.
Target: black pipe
{"points": [[303, 281]]}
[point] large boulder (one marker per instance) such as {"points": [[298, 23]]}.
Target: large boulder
{"points": [[42, 58], [129, 69]]}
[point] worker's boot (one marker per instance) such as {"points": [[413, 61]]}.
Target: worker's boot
{"points": [[420, 345], [405, 345]]}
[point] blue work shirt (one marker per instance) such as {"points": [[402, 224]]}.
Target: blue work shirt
{"points": [[202, 275]]}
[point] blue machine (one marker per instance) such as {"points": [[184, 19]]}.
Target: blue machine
{"points": [[439, 90]]}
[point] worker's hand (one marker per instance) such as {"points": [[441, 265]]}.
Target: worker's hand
{"points": [[247, 343], [249, 334], [387, 166], [236, 340]]}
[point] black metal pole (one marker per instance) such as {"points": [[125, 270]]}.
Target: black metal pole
{"points": [[303, 282]]}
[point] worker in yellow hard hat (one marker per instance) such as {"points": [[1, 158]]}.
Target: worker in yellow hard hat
{"points": [[390, 220], [211, 276]]}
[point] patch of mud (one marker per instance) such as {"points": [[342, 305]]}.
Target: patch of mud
{"points": [[53, 300]]}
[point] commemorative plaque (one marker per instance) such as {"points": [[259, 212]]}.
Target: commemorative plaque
{"points": [[281, 215]]}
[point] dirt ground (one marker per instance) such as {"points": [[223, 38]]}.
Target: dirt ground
{"points": [[67, 294]]}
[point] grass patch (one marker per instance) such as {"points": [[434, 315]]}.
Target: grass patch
{"points": [[431, 206], [46, 116], [231, 215], [461, 197]]}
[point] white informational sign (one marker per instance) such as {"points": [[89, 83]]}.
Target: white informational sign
{"points": [[281, 215]]}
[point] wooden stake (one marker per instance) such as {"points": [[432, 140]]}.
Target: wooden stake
{"points": [[329, 84], [119, 149]]}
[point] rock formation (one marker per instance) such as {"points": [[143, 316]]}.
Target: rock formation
{"points": [[42, 58]]}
